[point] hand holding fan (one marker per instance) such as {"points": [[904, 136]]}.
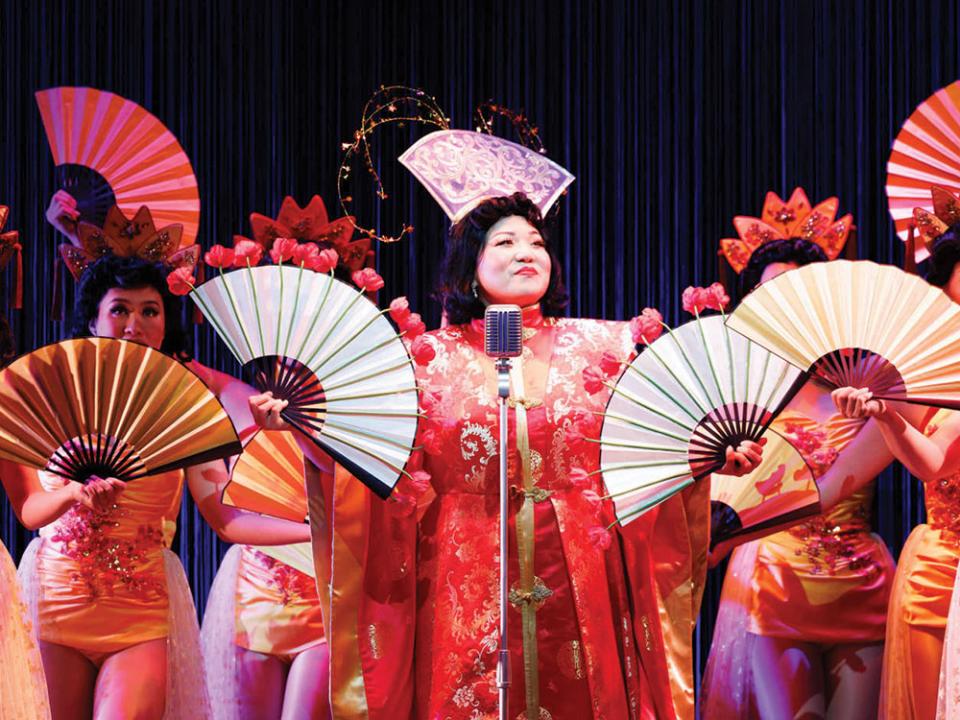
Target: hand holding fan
{"points": [[111, 151], [780, 492], [324, 347], [111, 408], [694, 391], [860, 324]]}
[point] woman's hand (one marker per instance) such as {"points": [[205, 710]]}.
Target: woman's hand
{"points": [[266, 411], [99, 494], [744, 459], [63, 214], [857, 403]]}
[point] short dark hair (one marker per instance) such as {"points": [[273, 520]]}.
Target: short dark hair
{"points": [[943, 257], [112, 271], [792, 250], [465, 241]]}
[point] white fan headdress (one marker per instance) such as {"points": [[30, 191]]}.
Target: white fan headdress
{"points": [[861, 324], [462, 168], [693, 392]]}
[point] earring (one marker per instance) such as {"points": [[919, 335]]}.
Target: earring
{"points": [[473, 288]]}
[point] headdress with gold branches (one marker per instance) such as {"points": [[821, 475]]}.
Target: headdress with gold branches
{"points": [[124, 237], [782, 220], [9, 248], [312, 224]]}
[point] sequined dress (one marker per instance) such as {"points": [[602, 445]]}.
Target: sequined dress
{"points": [[922, 590], [826, 580]]}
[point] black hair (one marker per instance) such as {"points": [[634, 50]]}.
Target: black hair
{"points": [[792, 250], [465, 241], [944, 257], [112, 271]]}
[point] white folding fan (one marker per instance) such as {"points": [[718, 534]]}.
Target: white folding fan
{"points": [[693, 392], [106, 407], [323, 346], [860, 324]]}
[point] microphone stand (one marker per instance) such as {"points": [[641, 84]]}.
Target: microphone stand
{"points": [[503, 660]]}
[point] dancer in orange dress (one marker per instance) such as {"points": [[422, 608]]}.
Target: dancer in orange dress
{"points": [[802, 613], [419, 634], [927, 568], [114, 613]]}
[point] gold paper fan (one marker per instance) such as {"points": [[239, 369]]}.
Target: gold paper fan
{"points": [[926, 152], [780, 492], [106, 407], [861, 324], [299, 556], [268, 477]]}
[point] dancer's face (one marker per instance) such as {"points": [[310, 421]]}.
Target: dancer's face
{"points": [[776, 268], [131, 314], [514, 265], [952, 288]]}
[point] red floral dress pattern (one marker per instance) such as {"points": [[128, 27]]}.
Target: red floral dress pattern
{"points": [[589, 663]]}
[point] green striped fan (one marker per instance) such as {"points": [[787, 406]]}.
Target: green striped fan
{"points": [[693, 392]]}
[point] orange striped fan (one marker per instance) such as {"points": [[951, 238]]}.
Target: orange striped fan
{"points": [[268, 477], [926, 152], [112, 408], [860, 324], [109, 150], [779, 493]]}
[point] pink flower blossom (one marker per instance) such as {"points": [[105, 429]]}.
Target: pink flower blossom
{"points": [[422, 350], [399, 310], [601, 538], [324, 261], [367, 280], [593, 379], [609, 363], [181, 281], [647, 326], [247, 253], [219, 257], [282, 249]]}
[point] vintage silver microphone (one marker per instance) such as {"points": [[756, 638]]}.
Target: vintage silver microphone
{"points": [[502, 340]]}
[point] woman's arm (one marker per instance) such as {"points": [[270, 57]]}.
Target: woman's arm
{"points": [[206, 482], [36, 507], [928, 458]]}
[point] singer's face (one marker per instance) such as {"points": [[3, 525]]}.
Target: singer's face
{"points": [[131, 314], [514, 265]]}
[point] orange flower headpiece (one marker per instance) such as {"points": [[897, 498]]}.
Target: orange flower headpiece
{"points": [[123, 237], [782, 220], [312, 224], [10, 247], [946, 212]]}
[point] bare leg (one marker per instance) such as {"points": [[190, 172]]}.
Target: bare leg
{"points": [[70, 681], [853, 677], [926, 648], [133, 683], [260, 681], [787, 679], [308, 694]]}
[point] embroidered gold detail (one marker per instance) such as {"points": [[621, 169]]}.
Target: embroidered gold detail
{"points": [[527, 403], [647, 635], [372, 636], [570, 660], [536, 597]]}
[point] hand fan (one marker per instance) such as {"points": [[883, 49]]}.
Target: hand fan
{"points": [[323, 346], [861, 324], [926, 152], [112, 408], [299, 556], [780, 492], [267, 477], [693, 392], [110, 151]]}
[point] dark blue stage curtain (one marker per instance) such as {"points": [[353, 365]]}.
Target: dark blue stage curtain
{"points": [[674, 116]]}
